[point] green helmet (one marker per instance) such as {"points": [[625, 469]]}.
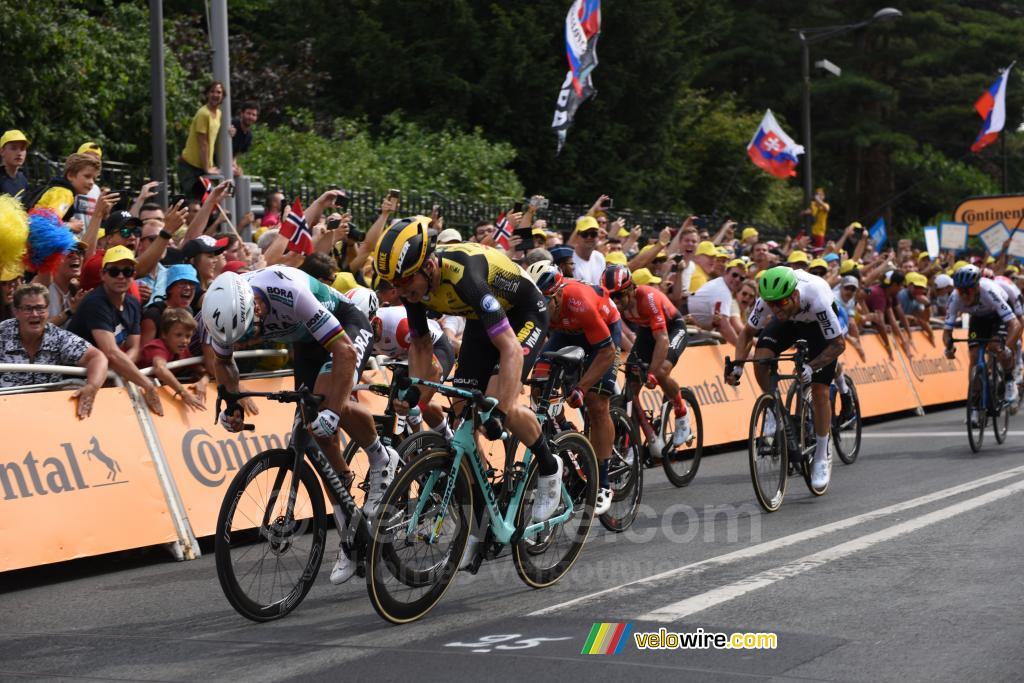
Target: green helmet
{"points": [[777, 283]]}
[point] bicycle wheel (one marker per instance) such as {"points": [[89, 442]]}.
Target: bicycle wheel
{"points": [[976, 416], [997, 389], [681, 462], [846, 434], [267, 559], [768, 453], [541, 560], [421, 442], [807, 439], [625, 475], [407, 574]]}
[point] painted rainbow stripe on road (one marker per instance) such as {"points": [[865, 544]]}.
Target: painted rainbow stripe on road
{"points": [[607, 639]]}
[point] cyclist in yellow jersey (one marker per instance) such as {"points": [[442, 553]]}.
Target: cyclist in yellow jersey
{"points": [[506, 323]]}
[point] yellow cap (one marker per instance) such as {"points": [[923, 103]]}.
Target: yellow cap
{"points": [[817, 263], [1012, 270], [707, 248], [856, 224], [798, 257], [13, 135], [259, 233], [737, 263], [539, 232], [990, 259], [586, 223], [344, 281], [959, 264], [923, 256], [623, 233], [916, 279], [90, 148], [747, 233], [118, 253], [663, 255], [847, 266], [644, 276], [724, 252], [615, 258]]}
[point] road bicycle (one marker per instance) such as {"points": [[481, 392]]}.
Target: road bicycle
{"points": [[653, 428], [421, 533], [846, 429], [771, 449], [272, 526], [986, 387]]}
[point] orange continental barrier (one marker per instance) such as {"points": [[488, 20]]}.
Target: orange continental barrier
{"points": [[882, 384], [76, 488], [936, 378]]}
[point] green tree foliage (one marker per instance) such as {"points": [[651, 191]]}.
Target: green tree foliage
{"points": [[402, 154]]}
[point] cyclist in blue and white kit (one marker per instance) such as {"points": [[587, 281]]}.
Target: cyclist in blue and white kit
{"points": [[991, 317], [331, 341], [797, 305]]}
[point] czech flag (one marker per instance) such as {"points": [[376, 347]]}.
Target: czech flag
{"points": [[773, 150], [992, 107]]}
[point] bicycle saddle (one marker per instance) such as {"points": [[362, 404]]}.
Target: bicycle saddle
{"points": [[570, 355]]}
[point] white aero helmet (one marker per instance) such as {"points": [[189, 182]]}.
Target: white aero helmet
{"points": [[228, 309], [365, 299]]}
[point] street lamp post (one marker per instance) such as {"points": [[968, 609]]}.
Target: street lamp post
{"points": [[808, 36]]}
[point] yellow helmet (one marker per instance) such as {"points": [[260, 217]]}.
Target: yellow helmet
{"points": [[403, 248]]}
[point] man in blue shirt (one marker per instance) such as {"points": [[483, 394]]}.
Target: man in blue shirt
{"points": [[13, 152]]}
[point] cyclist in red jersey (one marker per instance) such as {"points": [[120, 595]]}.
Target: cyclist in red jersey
{"points": [[582, 315], [660, 337]]}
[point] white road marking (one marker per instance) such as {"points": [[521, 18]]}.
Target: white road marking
{"points": [[784, 541], [922, 435], [698, 603]]}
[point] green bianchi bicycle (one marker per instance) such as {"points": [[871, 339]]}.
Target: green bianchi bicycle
{"points": [[778, 439], [423, 526]]}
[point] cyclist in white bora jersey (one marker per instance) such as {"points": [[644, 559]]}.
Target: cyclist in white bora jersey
{"points": [[797, 305]]}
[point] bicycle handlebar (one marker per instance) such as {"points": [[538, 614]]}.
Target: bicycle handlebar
{"points": [[484, 403], [303, 395]]}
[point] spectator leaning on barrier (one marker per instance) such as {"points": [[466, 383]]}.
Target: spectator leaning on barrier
{"points": [[111, 321], [175, 288], [196, 159], [176, 328], [29, 339], [65, 291], [714, 306], [13, 152]]}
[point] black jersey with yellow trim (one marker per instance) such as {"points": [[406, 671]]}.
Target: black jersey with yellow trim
{"points": [[478, 283]]}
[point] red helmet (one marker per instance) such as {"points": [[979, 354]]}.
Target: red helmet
{"points": [[616, 278]]}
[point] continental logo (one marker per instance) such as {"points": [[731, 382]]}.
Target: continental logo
{"points": [[923, 367], [71, 470], [710, 392], [873, 374]]}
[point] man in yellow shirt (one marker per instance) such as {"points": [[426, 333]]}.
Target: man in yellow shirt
{"points": [[197, 158], [819, 212]]}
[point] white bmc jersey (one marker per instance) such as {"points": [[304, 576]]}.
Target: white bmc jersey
{"points": [[991, 301], [817, 305], [393, 338]]}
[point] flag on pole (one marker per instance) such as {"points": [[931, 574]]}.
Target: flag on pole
{"points": [[297, 232], [582, 29], [991, 106], [772, 150], [878, 233]]}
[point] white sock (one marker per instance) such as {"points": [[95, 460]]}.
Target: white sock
{"points": [[415, 419], [841, 384], [820, 447], [378, 456], [441, 426], [340, 520]]}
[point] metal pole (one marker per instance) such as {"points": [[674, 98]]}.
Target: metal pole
{"points": [[222, 73], [158, 97], [1006, 177], [805, 67]]}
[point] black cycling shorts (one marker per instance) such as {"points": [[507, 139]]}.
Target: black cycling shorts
{"points": [[445, 355], [989, 326], [643, 347], [478, 357], [780, 335], [312, 360]]}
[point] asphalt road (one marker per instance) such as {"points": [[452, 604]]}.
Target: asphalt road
{"points": [[908, 569]]}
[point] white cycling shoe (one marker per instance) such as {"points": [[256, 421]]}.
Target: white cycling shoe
{"points": [[604, 501], [683, 433], [548, 494], [1011, 392], [821, 471], [343, 568], [377, 482]]}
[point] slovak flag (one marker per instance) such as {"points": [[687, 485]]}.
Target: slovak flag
{"points": [[992, 107], [295, 229], [772, 149]]}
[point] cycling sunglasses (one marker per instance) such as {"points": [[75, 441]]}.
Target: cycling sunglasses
{"points": [[781, 303]]}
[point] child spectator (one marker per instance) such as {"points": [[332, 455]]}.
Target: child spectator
{"points": [[13, 152], [176, 328], [80, 174]]}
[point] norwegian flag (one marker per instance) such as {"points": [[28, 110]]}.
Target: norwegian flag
{"points": [[300, 238], [502, 234]]}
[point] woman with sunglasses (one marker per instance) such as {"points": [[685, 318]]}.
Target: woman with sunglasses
{"points": [[991, 317], [794, 305]]}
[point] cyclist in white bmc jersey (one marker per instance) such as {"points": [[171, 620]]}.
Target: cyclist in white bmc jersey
{"points": [[797, 305], [331, 342]]}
